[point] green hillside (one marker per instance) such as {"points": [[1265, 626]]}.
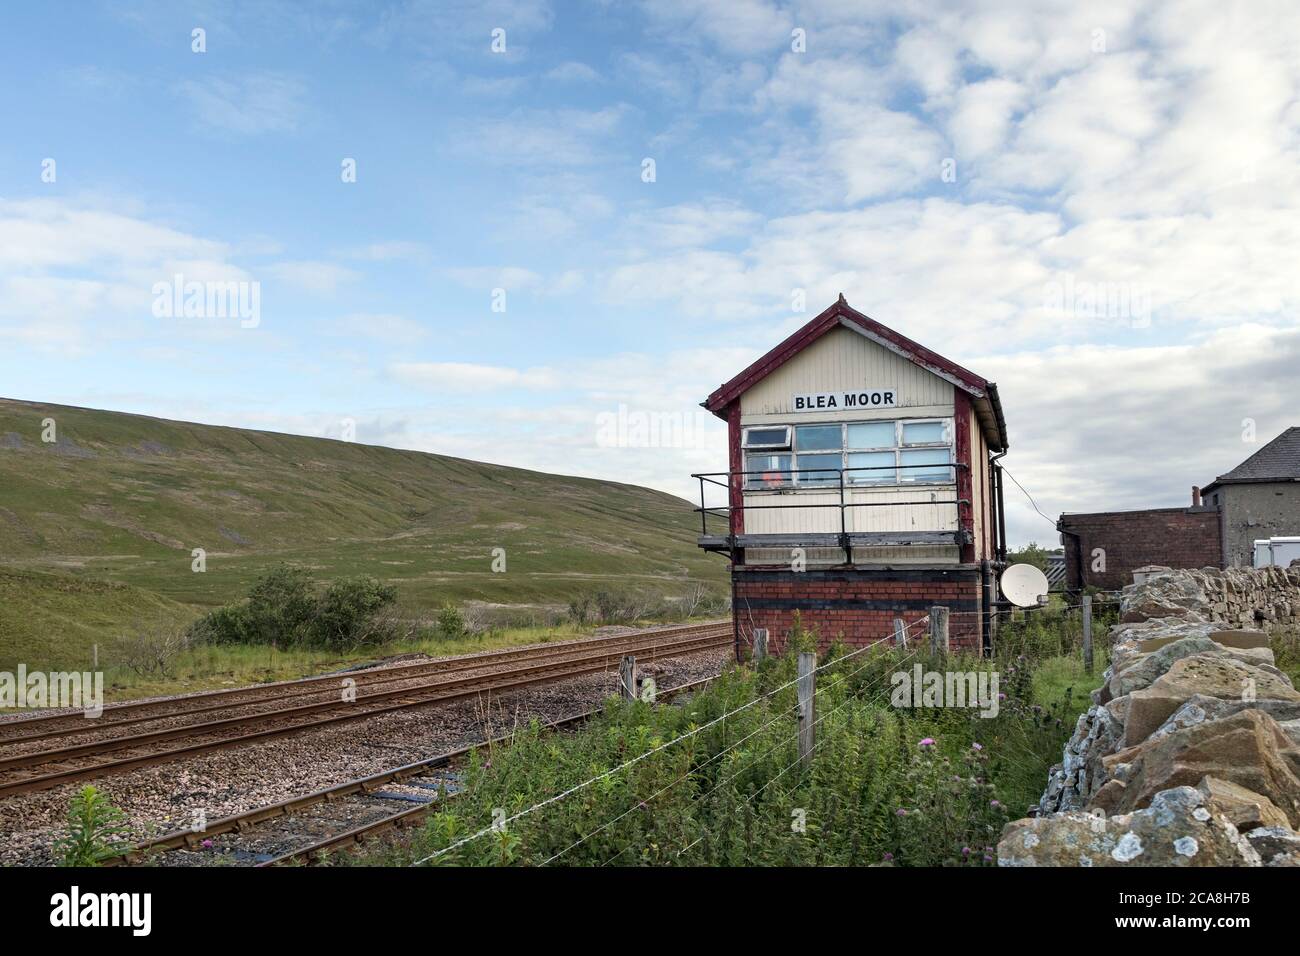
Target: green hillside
{"points": [[124, 498]]}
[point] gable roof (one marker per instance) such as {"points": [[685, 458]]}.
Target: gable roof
{"points": [[1279, 460], [985, 393]]}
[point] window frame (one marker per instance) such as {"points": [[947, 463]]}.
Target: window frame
{"points": [[786, 445], [819, 482]]}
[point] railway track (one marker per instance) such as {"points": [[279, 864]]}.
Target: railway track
{"points": [[306, 828], [43, 755]]}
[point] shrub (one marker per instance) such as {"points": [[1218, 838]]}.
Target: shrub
{"points": [[344, 610], [285, 609], [580, 609], [225, 625], [282, 606], [96, 830], [451, 623], [151, 650]]}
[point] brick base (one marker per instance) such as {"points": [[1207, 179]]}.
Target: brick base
{"points": [[857, 605]]}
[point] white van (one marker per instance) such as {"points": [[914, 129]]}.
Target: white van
{"points": [[1278, 552]]}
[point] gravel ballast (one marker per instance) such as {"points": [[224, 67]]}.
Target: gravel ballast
{"points": [[171, 796]]}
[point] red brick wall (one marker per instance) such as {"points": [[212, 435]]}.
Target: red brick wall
{"points": [[1173, 537], [859, 605]]}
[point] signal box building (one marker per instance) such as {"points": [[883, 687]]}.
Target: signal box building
{"points": [[862, 486]]}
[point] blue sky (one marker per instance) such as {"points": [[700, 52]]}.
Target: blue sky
{"points": [[968, 174]]}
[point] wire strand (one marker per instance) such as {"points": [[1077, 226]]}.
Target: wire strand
{"points": [[497, 825]]}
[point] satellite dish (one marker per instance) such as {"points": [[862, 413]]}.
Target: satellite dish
{"points": [[1024, 585]]}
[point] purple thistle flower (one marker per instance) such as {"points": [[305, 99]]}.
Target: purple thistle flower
{"points": [[927, 742], [888, 857], [901, 812]]}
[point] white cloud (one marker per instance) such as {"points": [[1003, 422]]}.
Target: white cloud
{"points": [[1102, 428], [572, 72], [248, 104], [388, 250], [736, 26], [691, 224], [542, 138], [456, 376], [314, 276], [382, 327]]}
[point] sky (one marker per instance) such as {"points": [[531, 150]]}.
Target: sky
{"points": [[497, 230]]}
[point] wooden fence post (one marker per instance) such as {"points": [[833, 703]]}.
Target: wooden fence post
{"points": [[760, 644], [627, 677], [807, 688], [900, 633], [938, 630], [1087, 633]]}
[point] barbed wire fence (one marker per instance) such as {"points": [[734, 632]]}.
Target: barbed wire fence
{"points": [[500, 824], [897, 639]]}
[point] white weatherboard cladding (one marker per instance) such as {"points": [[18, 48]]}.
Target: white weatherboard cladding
{"points": [[845, 361]]}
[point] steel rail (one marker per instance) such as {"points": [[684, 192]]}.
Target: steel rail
{"points": [[365, 678], [241, 822], [191, 730], [486, 684], [178, 705]]}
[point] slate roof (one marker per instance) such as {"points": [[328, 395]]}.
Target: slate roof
{"points": [[1279, 460]]}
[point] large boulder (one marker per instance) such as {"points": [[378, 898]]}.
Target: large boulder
{"points": [[1277, 846], [1200, 708], [1246, 809], [1208, 675], [1178, 829], [1248, 748], [1141, 669]]}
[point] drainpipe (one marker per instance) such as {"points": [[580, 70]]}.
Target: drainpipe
{"points": [[1002, 518], [991, 604]]}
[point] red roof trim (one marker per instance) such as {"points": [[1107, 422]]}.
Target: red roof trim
{"points": [[839, 312]]}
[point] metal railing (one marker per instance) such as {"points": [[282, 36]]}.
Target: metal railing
{"points": [[838, 484]]}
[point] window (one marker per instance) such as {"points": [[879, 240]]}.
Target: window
{"points": [[769, 471], [925, 464], [926, 454], [872, 435], [778, 437], [871, 453], [818, 455]]}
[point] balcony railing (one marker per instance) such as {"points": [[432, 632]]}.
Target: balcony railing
{"points": [[834, 481]]}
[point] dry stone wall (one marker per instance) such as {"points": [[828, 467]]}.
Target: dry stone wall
{"points": [[1190, 752]]}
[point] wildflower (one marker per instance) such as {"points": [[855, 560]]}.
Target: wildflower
{"points": [[206, 844], [888, 857], [987, 858], [977, 746], [965, 851], [901, 812], [1002, 696], [927, 742], [996, 804]]}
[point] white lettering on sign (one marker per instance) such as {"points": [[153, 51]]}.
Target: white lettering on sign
{"points": [[841, 401]]}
